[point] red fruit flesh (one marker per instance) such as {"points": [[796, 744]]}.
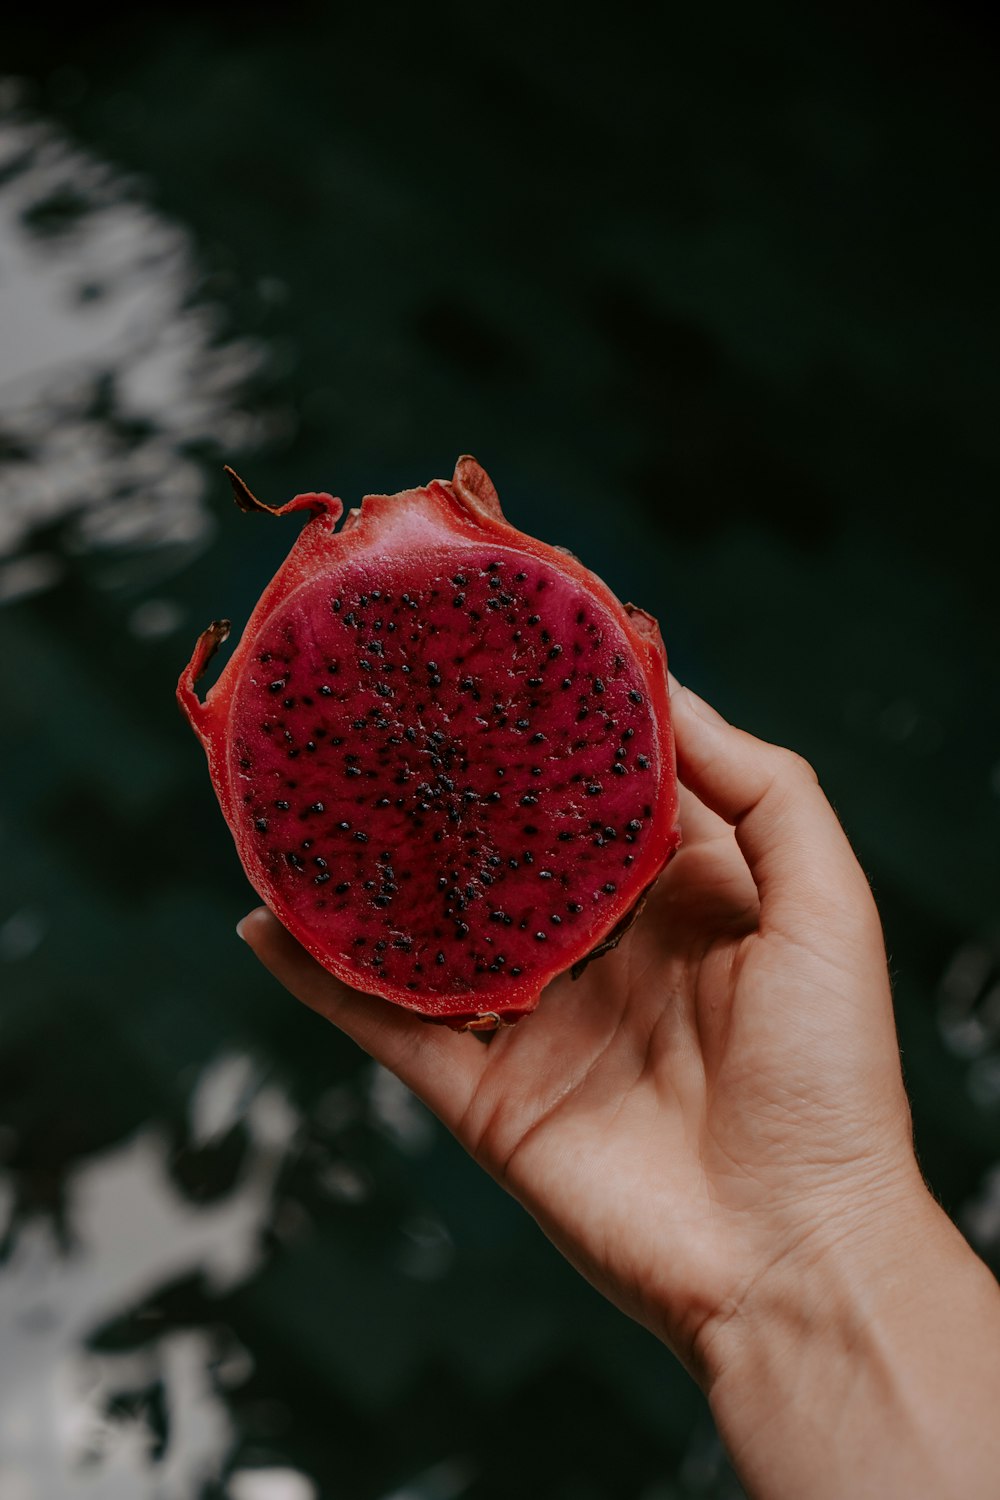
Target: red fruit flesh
{"points": [[443, 749]]}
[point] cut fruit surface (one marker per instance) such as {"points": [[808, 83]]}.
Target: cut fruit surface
{"points": [[443, 749]]}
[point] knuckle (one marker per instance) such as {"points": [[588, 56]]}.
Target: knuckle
{"points": [[795, 767]]}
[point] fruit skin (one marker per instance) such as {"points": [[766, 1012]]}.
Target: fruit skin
{"points": [[413, 525]]}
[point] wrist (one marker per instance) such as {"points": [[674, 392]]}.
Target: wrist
{"points": [[866, 1361]]}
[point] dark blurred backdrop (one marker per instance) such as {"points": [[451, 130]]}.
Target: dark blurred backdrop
{"points": [[712, 295]]}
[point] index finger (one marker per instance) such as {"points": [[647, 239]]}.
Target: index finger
{"points": [[797, 851]]}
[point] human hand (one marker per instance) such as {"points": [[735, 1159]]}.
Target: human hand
{"points": [[715, 1096], [711, 1125]]}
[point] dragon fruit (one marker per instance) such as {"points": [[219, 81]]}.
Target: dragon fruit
{"points": [[443, 749]]}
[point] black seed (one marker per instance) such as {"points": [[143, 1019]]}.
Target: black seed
{"points": [[594, 789], [528, 800], [635, 697], [275, 687], [282, 806], [515, 972], [381, 900], [598, 685], [598, 840], [411, 734], [318, 859], [381, 945], [353, 771], [493, 797], [520, 577], [321, 879], [618, 768], [527, 856], [564, 837], [573, 906], [540, 937], [628, 733], [536, 770], [459, 580], [512, 862], [642, 761], [261, 823], [545, 874], [295, 861], [537, 739], [344, 825], [534, 682], [609, 887], [288, 702], [522, 724], [316, 807], [633, 825], [629, 859], [556, 920], [534, 619], [462, 929]]}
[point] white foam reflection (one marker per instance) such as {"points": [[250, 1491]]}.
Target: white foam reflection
{"points": [[134, 1233], [112, 363]]}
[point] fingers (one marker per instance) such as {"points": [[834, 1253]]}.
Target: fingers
{"points": [[438, 1065], [797, 852]]}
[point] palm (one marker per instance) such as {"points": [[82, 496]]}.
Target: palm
{"points": [[625, 1080]]}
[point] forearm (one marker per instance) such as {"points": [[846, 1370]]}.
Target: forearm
{"points": [[872, 1370]]}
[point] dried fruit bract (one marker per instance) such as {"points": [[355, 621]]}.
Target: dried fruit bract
{"points": [[443, 749]]}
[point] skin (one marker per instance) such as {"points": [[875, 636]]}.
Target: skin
{"points": [[711, 1125]]}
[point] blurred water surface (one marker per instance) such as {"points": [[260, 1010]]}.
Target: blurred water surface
{"points": [[716, 309]]}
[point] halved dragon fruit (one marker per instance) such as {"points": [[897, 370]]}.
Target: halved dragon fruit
{"points": [[443, 748]]}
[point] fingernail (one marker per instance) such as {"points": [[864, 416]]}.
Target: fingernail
{"points": [[674, 684], [240, 926]]}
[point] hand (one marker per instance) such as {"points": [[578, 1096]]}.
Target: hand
{"points": [[715, 1100], [711, 1125]]}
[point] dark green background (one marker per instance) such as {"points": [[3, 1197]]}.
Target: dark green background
{"points": [[713, 298]]}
